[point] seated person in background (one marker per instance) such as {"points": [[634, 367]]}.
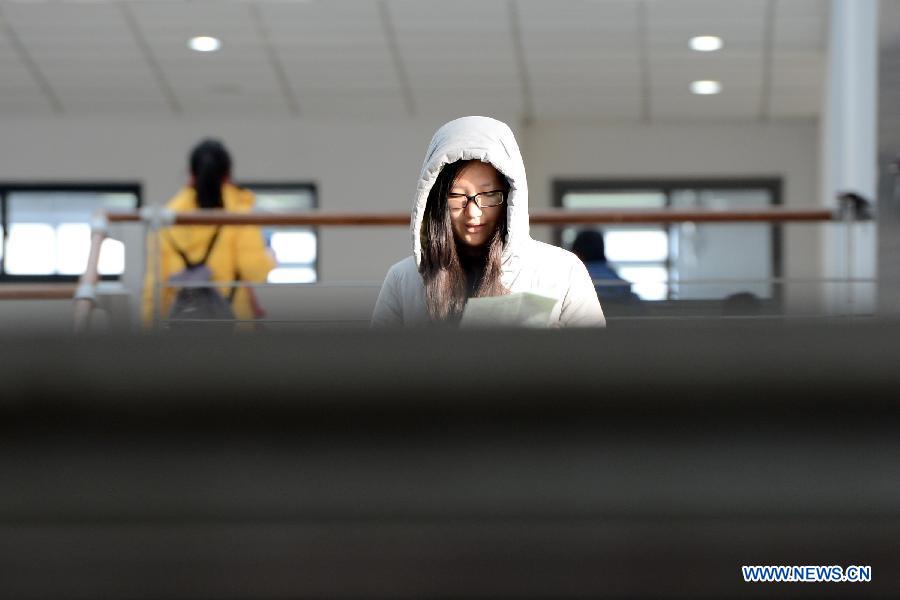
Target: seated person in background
{"points": [[230, 253], [470, 237], [589, 247]]}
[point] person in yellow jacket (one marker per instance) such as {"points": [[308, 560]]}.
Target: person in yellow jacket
{"points": [[238, 253]]}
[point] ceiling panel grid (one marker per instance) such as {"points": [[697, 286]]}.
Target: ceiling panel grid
{"points": [[336, 57], [86, 55], [583, 58], [739, 66], [798, 64], [543, 59], [238, 78], [459, 60]]}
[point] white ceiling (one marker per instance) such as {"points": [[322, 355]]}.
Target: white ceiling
{"points": [[533, 59]]}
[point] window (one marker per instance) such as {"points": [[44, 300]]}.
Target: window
{"points": [[296, 249], [46, 232], [639, 254], [683, 261]]}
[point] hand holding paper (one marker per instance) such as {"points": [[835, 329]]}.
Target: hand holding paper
{"points": [[522, 309]]}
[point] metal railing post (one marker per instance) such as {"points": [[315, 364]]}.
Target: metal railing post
{"points": [[853, 208], [154, 219], [86, 293]]}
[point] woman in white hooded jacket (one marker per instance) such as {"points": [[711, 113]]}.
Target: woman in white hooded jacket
{"points": [[471, 240]]}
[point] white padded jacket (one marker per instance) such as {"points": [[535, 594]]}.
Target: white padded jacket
{"points": [[528, 265]]}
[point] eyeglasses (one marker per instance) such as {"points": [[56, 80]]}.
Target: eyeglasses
{"points": [[482, 200]]}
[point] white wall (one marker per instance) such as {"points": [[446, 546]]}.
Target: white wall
{"points": [[374, 166]]}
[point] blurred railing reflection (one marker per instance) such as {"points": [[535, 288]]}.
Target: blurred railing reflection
{"points": [[627, 463]]}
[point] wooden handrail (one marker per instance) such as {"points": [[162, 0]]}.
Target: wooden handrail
{"points": [[552, 216], [772, 215], [52, 291]]}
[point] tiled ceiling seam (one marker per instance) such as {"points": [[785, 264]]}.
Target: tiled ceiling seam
{"points": [[391, 38], [768, 58], [643, 47], [34, 70], [521, 64], [158, 76], [274, 59]]}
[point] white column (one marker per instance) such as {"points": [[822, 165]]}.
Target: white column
{"points": [[849, 158]]}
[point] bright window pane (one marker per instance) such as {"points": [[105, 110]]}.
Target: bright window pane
{"points": [[294, 246], [648, 282], [73, 244], [112, 257], [284, 199], [636, 245], [740, 254], [622, 243], [50, 232], [635, 199], [708, 252], [292, 275], [31, 249]]}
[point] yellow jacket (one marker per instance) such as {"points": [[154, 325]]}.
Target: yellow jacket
{"points": [[239, 253]]}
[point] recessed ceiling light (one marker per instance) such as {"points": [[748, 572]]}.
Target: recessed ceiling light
{"points": [[706, 87], [204, 43], [706, 43]]}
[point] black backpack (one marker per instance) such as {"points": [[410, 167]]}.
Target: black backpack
{"points": [[198, 301]]}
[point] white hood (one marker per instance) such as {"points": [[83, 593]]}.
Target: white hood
{"points": [[487, 140], [528, 265]]}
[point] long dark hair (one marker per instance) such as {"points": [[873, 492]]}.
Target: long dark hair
{"points": [[210, 166], [448, 275]]}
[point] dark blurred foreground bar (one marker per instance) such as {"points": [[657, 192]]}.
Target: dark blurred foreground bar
{"points": [[648, 460]]}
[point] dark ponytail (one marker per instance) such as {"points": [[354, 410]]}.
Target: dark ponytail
{"points": [[210, 166]]}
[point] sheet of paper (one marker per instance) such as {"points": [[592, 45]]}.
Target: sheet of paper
{"points": [[522, 309]]}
